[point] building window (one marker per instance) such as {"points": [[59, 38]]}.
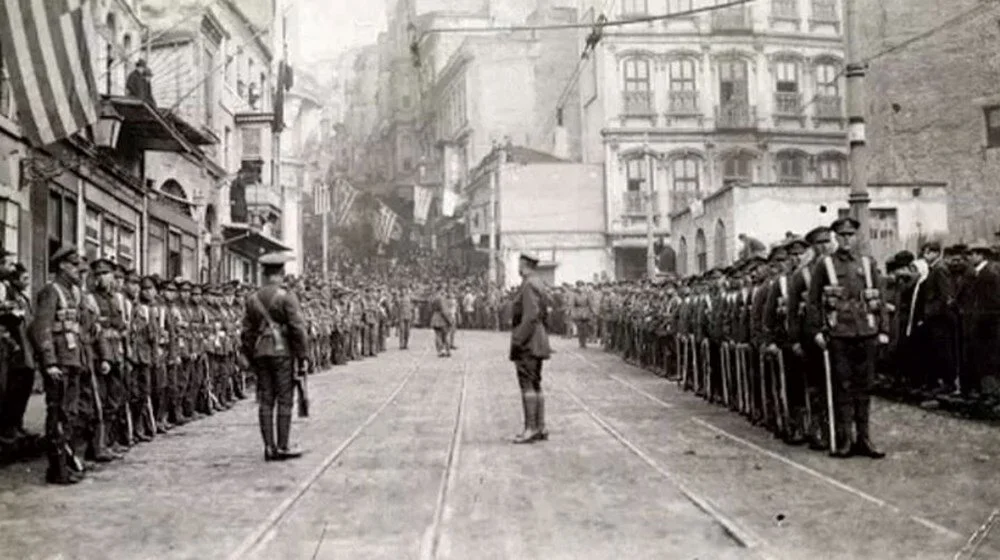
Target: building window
{"points": [[61, 227], [785, 9], [827, 91], [737, 168], [188, 246], [638, 97], [791, 168], [109, 240], [734, 95], [635, 8], [6, 90], [156, 251], [10, 219], [683, 87], [686, 185], [126, 247], [635, 172], [992, 126], [701, 251], [92, 234], [251, 138], [825, 11], [174, 269], [786, 96], [678, 6], [831, 169]]}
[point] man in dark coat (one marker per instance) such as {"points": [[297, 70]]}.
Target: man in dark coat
{"points": [[273, 340], [441, 322], [979, 308], [933, 319], [529, 347]]}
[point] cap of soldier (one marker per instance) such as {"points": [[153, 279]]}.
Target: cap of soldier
{"points": [[228, 289], [931, 246], [168, 284], [846, 224], [119, 270], [955, 250], [66, 252], [102, 266], [531, 260], [182, 284], [274, 263], [132, 277], [796, 245], [147, 282], [981, 246], [778, 253], [818, 235]]}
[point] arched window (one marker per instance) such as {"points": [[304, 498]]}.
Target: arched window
{"points": [[686, 187], [701, 251], [682, 257], [791, 167], [737, 168], [176, 197], [638, 87], [734, 94], [828, 90], [787, 87], [636, 175], [831, 168], [683, 87], [721, 256]]}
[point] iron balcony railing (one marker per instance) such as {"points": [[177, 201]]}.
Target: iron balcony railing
{"points": [[638, 103], [684, 103], [735, 116], [634, 203], [787, 104], [828, 107]]}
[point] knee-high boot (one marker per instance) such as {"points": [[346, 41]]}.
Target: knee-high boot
{"points": [[265, 417], [530, 433], [543, 433], [863, 444], [285, 450]]}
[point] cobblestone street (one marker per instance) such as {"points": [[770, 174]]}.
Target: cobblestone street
{"points": [[409, 458]]}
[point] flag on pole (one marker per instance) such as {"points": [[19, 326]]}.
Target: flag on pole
{"points": [[46, 49], [422, 198], [345, 200], [385, 223]]}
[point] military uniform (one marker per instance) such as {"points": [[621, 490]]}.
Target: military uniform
{"points": [[529, 347]]}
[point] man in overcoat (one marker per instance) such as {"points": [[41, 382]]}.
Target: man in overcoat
{"points": [[529, 347]]}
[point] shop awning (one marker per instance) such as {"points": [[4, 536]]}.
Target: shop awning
{"points": [[250, 241]]}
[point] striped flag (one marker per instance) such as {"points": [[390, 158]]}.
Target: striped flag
{"points": [[422, 198], [46, 48], [345, 200], [385, 224]]}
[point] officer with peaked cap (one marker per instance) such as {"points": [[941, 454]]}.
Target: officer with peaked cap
{"points": [[55, 333], [273, 339], [529, 347], [848, 319]]}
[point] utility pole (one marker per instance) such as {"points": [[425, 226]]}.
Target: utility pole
{"points": [[648, 196], [325, 208], [501, 156], [859, 198]]}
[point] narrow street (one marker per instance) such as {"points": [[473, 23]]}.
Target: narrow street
{"points": [[409, 458]]}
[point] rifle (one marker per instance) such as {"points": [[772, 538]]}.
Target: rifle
{"points": [[302, 389]]}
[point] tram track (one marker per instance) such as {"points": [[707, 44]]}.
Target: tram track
{"points": [[738, 533], [790, 463], [264, 532]]}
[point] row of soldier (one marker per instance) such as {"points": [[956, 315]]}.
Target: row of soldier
{"points": [[783, 339], [124, 358]]}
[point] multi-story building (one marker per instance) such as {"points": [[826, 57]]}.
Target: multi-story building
{"points": [[683, 107], [933, 88]]}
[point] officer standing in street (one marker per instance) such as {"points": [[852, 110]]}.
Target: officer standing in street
{"points": [[847, 318], [273, 340], [529, 347]]}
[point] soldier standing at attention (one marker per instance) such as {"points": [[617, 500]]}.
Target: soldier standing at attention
{"points": [[848, 318], [273, 340], [529, 347], [404, 310], [56, 334]]}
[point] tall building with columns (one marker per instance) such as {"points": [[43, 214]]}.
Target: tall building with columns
{"points": [[684, 107]]}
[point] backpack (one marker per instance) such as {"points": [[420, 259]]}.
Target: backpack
{"points": [[272, 332]]}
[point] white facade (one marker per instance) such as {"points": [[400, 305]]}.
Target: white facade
{"points": [[706, 234], [745, 94]]}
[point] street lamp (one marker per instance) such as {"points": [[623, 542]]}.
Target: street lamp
{"points": [[108, 127]]}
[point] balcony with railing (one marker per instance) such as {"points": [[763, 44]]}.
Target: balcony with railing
{"points": [[824, 14], [787, 104], [637, 104], [261, 196], [735, 116], [634, 203], [732, 20], [684, 103], [784, 10], [828, 107]]}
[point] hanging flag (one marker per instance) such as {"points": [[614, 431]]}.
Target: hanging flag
{"points": [[345, 200], [422, 198], [46, 49], [449, 199], [385, 223]]}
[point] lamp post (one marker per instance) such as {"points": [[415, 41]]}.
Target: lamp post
{"points": [[859, 198], [108, 127], [648, 155]]}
